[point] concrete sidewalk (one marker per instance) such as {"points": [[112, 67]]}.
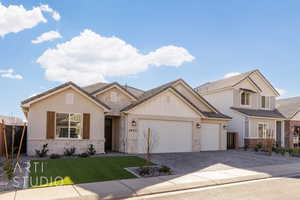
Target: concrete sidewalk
{"points": [[145, 186]]}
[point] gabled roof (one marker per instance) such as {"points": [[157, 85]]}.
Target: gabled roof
{"points": [[260, 113], [128, 92], [98, 86], [289, 107], [50, 92], [233, 81], [155, 91]]}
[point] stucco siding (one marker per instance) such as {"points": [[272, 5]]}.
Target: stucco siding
{"points": [[189, 95], [37, 123], [165, 104], [115, 99]]}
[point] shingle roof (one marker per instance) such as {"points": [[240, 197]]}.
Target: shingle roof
{"points": [[259, 113], [60, 87], [288, 107], [155, 91], [223, 83], [111, 84], [101, 85]]}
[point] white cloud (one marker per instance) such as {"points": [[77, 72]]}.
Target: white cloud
{"points": [[16, 18], [55, 15], [231, 74], [9, 73], [90, 57], [48, 36], [281, 91]]}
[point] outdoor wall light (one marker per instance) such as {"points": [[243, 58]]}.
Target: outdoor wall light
{"points": [[198, 125], [133, 123]]}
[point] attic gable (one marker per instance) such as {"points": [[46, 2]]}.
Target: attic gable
{"points": [[190, 94]]}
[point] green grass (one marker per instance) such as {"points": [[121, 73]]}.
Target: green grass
{"points": [[81, 170]]}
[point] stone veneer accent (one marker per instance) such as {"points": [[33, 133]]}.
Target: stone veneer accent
{"points": [[58, 146], [251, 143]]}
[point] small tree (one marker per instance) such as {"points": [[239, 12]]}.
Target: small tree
{"points": [[149, 141], [269, 141]]}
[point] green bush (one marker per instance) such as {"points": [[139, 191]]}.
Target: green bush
{"points": [[165, 169], [8, 168], [70, 151], [84, 155], [91, 150], [43, 152], [55, 156], [290, 151], [144, 171], [256, 149], [259, 145]]}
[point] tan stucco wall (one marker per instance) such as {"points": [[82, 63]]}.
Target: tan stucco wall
{"points": [[189, 95], [57, 103], [165, 104], [122, 99]]}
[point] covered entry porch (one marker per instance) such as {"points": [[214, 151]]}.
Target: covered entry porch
{"points": [[112, 133]]}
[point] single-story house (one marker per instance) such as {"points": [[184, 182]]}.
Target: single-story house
{"points": [[290, 108], [115, 117]]}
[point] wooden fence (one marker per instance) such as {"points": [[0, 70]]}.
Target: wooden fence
{"points": [[2, 147]]}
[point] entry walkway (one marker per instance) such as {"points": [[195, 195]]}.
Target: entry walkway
{"points": [[145, 186]]}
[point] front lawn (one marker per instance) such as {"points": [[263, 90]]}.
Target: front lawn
{"points": [[81, 170]]}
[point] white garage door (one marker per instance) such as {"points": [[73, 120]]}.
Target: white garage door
{"points": [[168, 136], [210, 139]]}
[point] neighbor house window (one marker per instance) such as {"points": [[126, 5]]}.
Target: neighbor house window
{"points": [[68, 125], [265, 102], [262, 130], [245, 98]]}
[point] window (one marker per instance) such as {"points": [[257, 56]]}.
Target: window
{"points": [[68, 125], [245, 98], [262, 130], [265, 102]]}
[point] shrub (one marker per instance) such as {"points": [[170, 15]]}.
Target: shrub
{"points": [[83, 155], [144, 171], [91, 150], [276, 150], [256, 149], [290, 151], [54, 156], [282, 151], [165, 169], [43, 152], [70, 151], [8, 169], [259, 145]]}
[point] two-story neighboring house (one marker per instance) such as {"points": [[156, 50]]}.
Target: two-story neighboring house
{"points": [[249, 98]]}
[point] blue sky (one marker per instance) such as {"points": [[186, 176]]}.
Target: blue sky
{"points": [[221, 36]]}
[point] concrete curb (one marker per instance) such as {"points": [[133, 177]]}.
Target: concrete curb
{"points": [[147, 186]]}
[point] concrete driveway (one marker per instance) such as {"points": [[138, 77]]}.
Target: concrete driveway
{"points": [[221, 160]]}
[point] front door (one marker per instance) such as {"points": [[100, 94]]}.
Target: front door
{"points": [[278, 133], [108, 134]]}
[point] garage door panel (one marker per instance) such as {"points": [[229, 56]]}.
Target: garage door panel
{"points": [[168, 136], [210, 140]]}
